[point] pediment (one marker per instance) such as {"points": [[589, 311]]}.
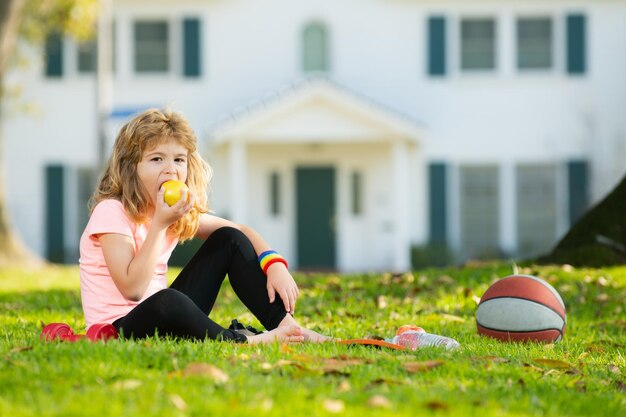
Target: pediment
{"points": [[317, 111]]}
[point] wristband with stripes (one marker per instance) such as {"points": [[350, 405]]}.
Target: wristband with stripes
{"points": [[270, 257]]}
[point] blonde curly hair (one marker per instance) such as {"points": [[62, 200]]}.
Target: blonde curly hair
{"points": [[121, 182]]}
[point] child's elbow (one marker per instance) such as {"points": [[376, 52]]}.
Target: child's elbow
{"points": [[132, 294], [133, 297]]}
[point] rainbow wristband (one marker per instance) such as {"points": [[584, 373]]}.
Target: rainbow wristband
{"points": [[270, 257]]}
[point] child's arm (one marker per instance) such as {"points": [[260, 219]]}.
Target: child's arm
{"points": [[279, 280], [132, 272]]}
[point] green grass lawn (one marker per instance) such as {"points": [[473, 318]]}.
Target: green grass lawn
{"points": [[584, 375]]}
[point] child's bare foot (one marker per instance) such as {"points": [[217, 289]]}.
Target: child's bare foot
{"points": [[308, 334], [286, 334], [315, 337]]}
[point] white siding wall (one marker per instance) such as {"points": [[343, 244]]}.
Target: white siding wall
{"points": [[253, 47]]}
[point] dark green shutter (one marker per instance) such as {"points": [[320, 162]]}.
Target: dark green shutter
{"points": [[55, 226], [191, 47], [437, 202], [54, 55], [578, 180], [576, 44], [274, 193], [436, 45]]}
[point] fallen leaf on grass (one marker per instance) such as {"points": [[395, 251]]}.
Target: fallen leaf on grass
{"points": [[20, 349], [379, 401], [334, 406], [127, 384], [451, 317], [384, 381], [204, 369], [413, 367], [494, 359], [533, 367], [344, 386], [614, 369], [178, 402], [266, 404], [553, 363], [621, 386], [436, 405]]}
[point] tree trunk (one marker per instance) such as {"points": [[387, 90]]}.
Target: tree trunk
{"points": [[12, 251]]}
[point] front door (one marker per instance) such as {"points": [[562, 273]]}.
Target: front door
{"points": [[315, 210]]}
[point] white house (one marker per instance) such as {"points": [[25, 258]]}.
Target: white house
{"points": [[346, 131]]}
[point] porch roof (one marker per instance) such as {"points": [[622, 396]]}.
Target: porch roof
{"points": [[316, 110]]}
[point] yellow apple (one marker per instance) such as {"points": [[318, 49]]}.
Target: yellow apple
{"points": [[173, 191]]}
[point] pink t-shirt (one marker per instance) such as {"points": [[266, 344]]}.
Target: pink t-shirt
{"points": [[102, 301]]}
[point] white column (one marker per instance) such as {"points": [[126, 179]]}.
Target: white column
{"points": [[400, 166], [237, 182]]}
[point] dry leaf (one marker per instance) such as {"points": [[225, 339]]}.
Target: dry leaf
{"points": [[451, 317], [178, 402], [127, 384], [533, 367], [614, 369], [422, 366], [553, 363], [344, 386], [378, 401], [334, 406], [381, 302], [20, 349], [267, 404], [385, 381], [602, 298], [494, 359], [436, 405], [204, 369]]}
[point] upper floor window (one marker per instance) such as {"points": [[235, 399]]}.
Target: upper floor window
{"points": [[315, 48], [87, 56], [478, 44], [534, 43], [152, 52]]}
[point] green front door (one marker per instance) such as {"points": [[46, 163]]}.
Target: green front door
{"points": [[315, 209]]}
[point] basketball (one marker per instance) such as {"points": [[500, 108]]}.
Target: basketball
{"points": [[521, 308]]}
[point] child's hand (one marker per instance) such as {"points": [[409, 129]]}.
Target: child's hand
{"points": [[165, 215], [280, 281]]}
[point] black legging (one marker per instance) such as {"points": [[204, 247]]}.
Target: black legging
{"points": [[182, 310]]}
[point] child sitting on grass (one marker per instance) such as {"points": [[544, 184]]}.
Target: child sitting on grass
{"points": [[132, 232]]}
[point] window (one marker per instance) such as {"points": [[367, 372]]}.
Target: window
{"points": [[274, 193], [478, 46], [534, 43], [480, 214], [152, 46], [87, 56], [356, 183], [314, 48], [536, 209]]}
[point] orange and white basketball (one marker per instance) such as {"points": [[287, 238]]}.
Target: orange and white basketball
{"points": [[521, 308]]}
